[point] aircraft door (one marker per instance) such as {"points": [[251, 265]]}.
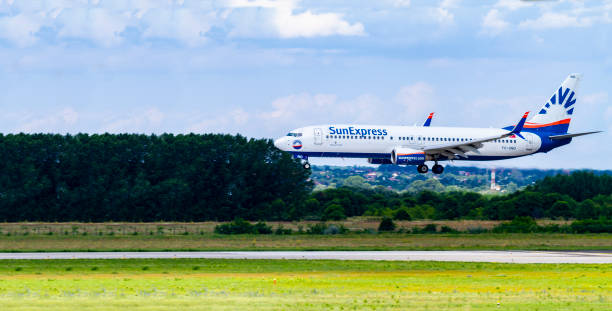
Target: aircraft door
{"points": [[530, 142], [420, 140], [318, 136]]}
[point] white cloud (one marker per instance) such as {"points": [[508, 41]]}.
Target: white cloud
{"points": [[105, 23], [513, 4], [278, 18], [20, 29], [417, 99], [294, 106], [553, 20], [186, 25], [60, 121], [219, 123], [300, 109], [493, 24], [147, 121], [595, 98], [99, 25], [400, 3], [442, 13]]}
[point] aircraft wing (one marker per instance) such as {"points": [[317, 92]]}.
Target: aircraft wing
{"points": [[455, 149]]}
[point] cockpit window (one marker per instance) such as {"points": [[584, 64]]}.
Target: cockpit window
{"points": [[295, 134]]}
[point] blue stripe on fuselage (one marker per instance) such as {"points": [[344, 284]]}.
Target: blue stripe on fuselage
{"points": [[388, 156]]}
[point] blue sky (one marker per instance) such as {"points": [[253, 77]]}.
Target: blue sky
{"points": [[261, 68]]}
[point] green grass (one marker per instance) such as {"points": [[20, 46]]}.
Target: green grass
{"points": [[353, 241], [201, 284]]}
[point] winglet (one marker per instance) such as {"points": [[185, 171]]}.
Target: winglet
{"points": [[428, 121], [519, 127]]}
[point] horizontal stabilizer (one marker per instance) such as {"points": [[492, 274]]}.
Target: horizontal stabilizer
{"points": [[564, 136]]}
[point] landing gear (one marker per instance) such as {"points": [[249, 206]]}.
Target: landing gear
{"points": [[306, 165], [422, 168], [437, 169]]}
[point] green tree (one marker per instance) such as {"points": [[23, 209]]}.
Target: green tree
{"points": [[334, 212], [402, 214], [386, 224]]}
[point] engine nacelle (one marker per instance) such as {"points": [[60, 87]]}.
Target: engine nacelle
{"points": [[407, 156], [379, 161]]}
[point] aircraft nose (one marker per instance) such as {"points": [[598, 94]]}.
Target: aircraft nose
{"points": [[279, 143]]}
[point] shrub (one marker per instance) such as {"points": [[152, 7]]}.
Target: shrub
{"points": [[386, 225], [316, 228], [476, 230], [592, 226], [282, 231], [331, 229], [520, 224], [241, 226], [429, 228], [262, 228], [402, 214], [323, 228], [447, 229]]}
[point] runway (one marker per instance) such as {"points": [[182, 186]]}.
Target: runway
{"points": [[464, 256]]}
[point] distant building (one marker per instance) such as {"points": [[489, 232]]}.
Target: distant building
{"points": [[371, 176], [494, 186]]}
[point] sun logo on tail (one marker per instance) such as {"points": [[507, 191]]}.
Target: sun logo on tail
{"points": [[561, 100]]}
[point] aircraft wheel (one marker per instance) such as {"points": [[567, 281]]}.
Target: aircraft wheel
{"points": [[306, 165], [422, 168], [437, 169]]}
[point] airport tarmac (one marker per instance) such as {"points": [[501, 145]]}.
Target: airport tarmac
{"points": [[465, 256]]}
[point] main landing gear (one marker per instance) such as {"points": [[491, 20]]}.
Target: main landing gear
{"points": [[436, 169]]}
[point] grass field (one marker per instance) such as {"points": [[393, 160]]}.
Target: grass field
{"points": [[198, 284], [387, 241]]}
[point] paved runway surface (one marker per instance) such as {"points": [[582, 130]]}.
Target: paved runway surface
{"points": [[471, 256]]}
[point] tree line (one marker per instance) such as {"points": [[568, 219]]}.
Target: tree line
{"points": [[131, 177], [579, 195]]}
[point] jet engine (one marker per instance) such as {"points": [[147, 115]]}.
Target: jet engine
{"points": [[407, 156]]}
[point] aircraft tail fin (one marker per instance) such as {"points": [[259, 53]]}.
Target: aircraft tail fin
{"points": [[428, 121], [556, 114]]}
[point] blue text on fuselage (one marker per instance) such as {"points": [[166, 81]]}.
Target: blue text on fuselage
{"points": [[357, 131]]}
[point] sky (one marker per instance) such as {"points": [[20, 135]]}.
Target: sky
{"points": [[263, 67]]}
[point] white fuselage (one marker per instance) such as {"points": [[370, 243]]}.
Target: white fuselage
{"points": [[378, 141]]}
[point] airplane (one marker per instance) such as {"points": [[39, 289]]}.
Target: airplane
{"points": [[416, 145]]}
